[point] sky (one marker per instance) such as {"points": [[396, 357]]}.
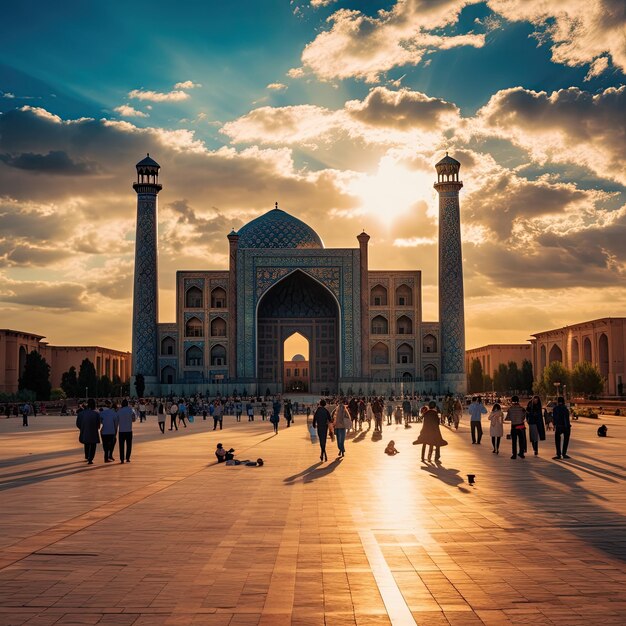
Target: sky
{"points": [[337, 110]]}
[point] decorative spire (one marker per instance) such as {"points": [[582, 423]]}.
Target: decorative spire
{"points": [[276, 205]]}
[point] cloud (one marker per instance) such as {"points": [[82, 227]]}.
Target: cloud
{"points": [[55, 162], [316, 4], [402, 109], [277, 86], [596, 68], [569, 125], [361, 46], [579, 30], [62, 295], [126, 110], [295, 72], [187, 84], [8, 95], [156, 96]]}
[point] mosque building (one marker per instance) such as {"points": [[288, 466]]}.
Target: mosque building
{"points": [[364, 327]]}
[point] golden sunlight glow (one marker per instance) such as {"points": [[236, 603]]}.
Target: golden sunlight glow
{"points": [[392, 190], [296, 344]]}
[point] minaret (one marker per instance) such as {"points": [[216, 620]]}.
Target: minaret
{"points": [[146, 285], [451, 305]]}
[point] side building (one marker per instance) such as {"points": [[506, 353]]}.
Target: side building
{"points": [[494, 355], [15, 345], [601, 342]]}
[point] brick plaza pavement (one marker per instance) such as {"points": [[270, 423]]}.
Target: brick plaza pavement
{"points": [[172, 538]]}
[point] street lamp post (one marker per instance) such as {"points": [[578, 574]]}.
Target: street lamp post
{"points": [[556, 386]]}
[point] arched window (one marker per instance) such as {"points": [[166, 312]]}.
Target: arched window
{"points": [[194, 328], [168, 346], [430, 373], [404, 295], [407, 377], [575, 352], [556, 354], [218, 298], [404, 325], [429, 343], [218, 355], [218, 327], [168, 375], [587, 356], [378, 296], [193, 357], [603, 355], [380, 354], [22, 360], [405, 353], [380, 325], [542, 359], [193, 298]]}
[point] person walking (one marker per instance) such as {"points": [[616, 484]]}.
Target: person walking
{"points": [[353, 409], [25, 413], [562, 428], [287, 412], [218, 414], [108, 431], [476, 410], [389, 410], [88, 423], [161, 417], [377, 409], [342, 422], [430, 435], [182, 413], [238, 410], [275, 417], [321, 418], [173, 415], [250, 411], [536, 425], [126, 417], [516, 415], [458, 413], [142, 410], [496, 429]]}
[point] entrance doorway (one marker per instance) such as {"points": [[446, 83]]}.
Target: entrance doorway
{"points": [[296, 364], [298, 304]]}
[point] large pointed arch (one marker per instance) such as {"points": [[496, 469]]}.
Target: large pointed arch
{"points": [[299, 302]]}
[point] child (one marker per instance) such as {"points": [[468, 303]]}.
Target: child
{"points": [[224, 455], [391, 449]]}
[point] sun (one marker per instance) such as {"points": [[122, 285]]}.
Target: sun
{"points": [[392, 190]]}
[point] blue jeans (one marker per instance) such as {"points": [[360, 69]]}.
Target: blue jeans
{"points": [[341, 439]]}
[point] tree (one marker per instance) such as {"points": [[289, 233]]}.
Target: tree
{"points": [[475, 378], [57, 394], [87, 378], [69, 383], [586, 379], [513, 377], [526, 383], [501, 378], [36, 376], [140, 385], [105, 387], [556, 372], [487, 382]]}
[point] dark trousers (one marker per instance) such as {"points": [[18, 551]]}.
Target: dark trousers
{"points": [[173, 423], [24, 419], [126, 441], [322, 433], [90, 451], [558, 432], [216, 421], [518, 435], [495, 442], [162, 427], [477, 431], [430, 452], [108, 445]]}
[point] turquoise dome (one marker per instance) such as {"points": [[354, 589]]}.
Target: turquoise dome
{"points": [[277, 229]]}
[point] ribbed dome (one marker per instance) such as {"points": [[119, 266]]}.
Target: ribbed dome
{"points": [[277, 229]]}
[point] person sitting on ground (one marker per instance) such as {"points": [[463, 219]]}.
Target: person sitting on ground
{"points": [[391, 449], [224, 455], [602, 431]]}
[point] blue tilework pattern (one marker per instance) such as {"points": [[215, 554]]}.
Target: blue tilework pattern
{"points": [[277, 229], [145, 293], [451, 301]]}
